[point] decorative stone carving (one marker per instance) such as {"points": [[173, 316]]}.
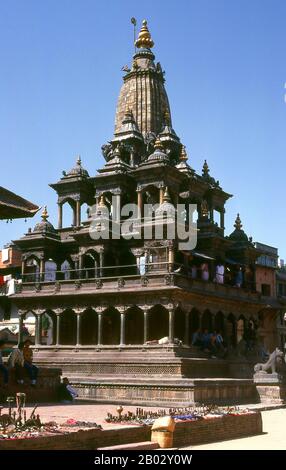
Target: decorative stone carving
{"points": [[120, 282], [144, 281], [169, 280], [77, 284], [98, 283]]}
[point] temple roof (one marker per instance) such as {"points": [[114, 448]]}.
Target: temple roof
{"points": [[143, 92], [13, 206], [77, 171], [44, 226], [238, 235]]}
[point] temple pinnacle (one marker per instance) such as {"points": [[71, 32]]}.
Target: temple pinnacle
{"points": [[144, 38], [238, 224]]}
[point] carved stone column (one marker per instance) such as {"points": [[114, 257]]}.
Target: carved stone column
{"points": [[146, 323], [21, 314], [222, 212], [78, 214], [38, 326], [79, 312], [171, 256], [58, 312], [117, 207], [60, 215], [139, 202], [122, 311], [99, 329], [171, 322], [42, 269], [101, 261]]}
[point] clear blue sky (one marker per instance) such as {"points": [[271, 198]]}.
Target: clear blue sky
{"points": [[225, 69]]}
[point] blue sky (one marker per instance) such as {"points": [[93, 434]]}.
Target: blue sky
{"points": [[225, 69]]}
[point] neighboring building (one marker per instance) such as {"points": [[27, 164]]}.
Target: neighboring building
{"points": [[266, 266], [107, 302], [12, 206]]}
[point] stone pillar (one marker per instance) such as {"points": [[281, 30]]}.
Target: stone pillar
{"points": [[21, 322], [122, 328], [78, 214], [146, 325], [211, 214], [171, 323], [222, 212], [23, 267], [99, 329], [140, 203], [60, 215], [187, 329], [78, 329], [42, 269], [117, 209], [58, 329], [38, 333]]}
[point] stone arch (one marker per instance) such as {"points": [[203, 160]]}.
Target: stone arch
{"points": [[48, 328], [230, 330], [111, 327], [68, 212], [134, 326], [32, 269], [158, 322], [68, 327], [207, 321], [50, 270], [90, 264], [195, 321], [240, 328], [89, 327], [219, 322]]}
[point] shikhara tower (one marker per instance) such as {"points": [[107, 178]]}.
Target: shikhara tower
{"points": [[105, 303]]}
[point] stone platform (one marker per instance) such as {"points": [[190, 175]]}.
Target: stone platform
{"points": [[152, 375]]}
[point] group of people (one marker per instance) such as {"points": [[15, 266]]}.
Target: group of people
{"points": [[20, 361], [234, 276], [210, 342]]}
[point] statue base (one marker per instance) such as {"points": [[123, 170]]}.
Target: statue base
{"points": [[271, 388]]}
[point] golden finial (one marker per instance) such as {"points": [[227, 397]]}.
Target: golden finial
{"points": [[78, 160], [238, 224], [206, 169], [166, 197], [183, 154], [45, 214], [101, 201], [158, 144], [144, 37]]}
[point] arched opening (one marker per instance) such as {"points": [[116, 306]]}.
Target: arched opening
{"points": [[180, 324], [240, 328], [207, 323], [230, 331], [90, 265], [50, 274], [66, 270], [194, 324], [48, 328], [219, 323], [84, 212], [111, 327], [68, 327], [89, 327], [68, 213], [158, 323], [134, 326], [32, 269]]}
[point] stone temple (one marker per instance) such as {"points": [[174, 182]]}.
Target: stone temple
{"points": [[102, 303]]}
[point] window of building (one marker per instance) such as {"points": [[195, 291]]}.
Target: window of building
{"points": [[266, 289]]}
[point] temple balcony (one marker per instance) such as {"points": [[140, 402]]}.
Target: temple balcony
{"points": [[157, 276]]}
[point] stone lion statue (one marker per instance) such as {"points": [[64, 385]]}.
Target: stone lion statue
{"points": [[275, 357]]}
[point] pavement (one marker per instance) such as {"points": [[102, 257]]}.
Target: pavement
{"points": [[273, 437]]}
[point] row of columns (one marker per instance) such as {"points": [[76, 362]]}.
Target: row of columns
{"points": [[99, 324]]}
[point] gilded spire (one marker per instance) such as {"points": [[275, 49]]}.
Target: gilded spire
{"points": [[45, 214], [78, 160], [183, 154], [144, 38], [158, 144], [166, 197], [238, 224]]}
